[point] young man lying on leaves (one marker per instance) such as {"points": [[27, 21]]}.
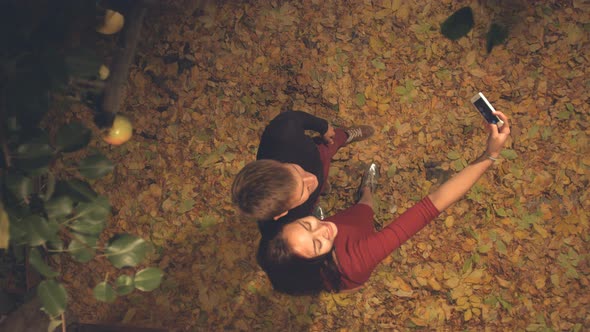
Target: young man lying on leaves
{"points": [[291, 168]]}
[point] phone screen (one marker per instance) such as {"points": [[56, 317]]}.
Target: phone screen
{"points": [[483, 108]]}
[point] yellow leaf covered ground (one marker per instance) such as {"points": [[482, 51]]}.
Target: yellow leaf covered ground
{"points": [[512, 255]]}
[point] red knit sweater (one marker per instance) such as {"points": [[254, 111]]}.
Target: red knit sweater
{"points": [[359, 248]]}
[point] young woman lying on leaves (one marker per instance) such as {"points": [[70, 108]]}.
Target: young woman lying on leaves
{"points": [[308, 255]]}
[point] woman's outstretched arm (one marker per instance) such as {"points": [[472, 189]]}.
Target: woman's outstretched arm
{"points": [[357, 259], [457, 186]]}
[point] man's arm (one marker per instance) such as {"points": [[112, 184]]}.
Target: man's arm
{"points": [[296, 123], [284, 138]]}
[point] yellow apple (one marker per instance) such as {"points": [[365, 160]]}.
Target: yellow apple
{"points": [[120, 132], [103, 72], [113, 23]]}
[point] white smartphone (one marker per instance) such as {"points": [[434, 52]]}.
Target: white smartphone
{"points": [[484, 107]]}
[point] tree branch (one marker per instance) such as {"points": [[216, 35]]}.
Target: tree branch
{"points": [[3, 142], [113, 92]]}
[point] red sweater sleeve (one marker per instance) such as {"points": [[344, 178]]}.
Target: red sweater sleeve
{"points": [[358, 256]]}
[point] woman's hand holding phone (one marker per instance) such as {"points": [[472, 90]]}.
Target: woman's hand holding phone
{"points": [[497, 135]]}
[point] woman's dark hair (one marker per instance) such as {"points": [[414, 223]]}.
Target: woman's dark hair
{"points": [[290, 273]]}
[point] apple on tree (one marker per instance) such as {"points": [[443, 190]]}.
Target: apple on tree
{"points": [[113, 22], [120, 132]]}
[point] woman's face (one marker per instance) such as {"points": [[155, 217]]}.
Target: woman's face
{"points": [[310, 237]]}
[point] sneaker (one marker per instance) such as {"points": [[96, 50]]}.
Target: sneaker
{"points": [[359, 133], [370, 179], [318, 212]]}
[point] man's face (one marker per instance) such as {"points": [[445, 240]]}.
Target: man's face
{"points": [[306, 184]]}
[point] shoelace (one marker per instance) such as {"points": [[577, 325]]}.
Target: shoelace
{"points": [[354, 133]]}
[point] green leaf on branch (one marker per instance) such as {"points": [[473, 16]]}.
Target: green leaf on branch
{"points": [[53, 296], [126, 250], [82, 247], [39, 264], [18, 232], [19, 185], [53, 324], [49, 187], [96, 210], [91, 216], [34, 155], [38, 230], [77, 190], [56, 244], [72, 137], [148, 279], [87, 226], [89, 240], [59, 207], [95, 166], [124, 284], [104, 292]]}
